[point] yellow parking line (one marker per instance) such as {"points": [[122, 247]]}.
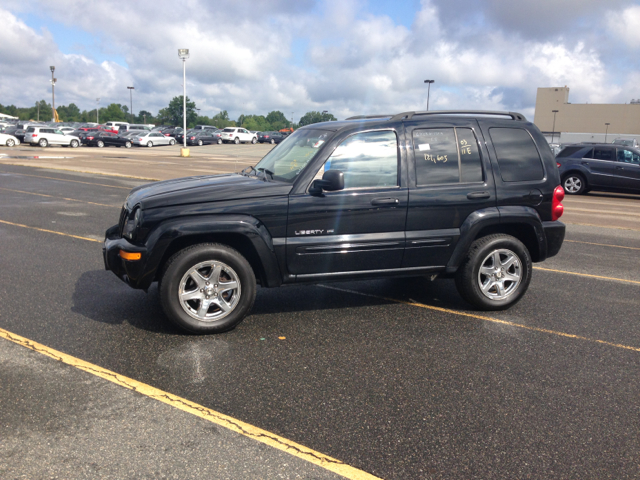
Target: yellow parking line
{"points": [[51, 231], [587, 275], [486, 319], [73, 181], [62, 198], [601, 244], [185, 405]]}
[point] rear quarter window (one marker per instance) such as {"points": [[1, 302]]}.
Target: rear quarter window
{"points": [[517, 155]]}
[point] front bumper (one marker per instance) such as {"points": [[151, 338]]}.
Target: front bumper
{"points": [[130, 272], [554, 232]]}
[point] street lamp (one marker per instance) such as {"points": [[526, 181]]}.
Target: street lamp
{"points": [[97, 110], [292, 120], [131, 89], [553, 132], [183, 53], [428, 82], [606, 132], [53, 94]]}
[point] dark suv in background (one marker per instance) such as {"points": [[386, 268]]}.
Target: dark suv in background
{"points": [[604, 166], [473, 196]]}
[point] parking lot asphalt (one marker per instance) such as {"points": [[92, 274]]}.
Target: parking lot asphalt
{"points": [[396, 377]]}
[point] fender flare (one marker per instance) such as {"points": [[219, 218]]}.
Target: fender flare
{"points": [[166, 233]]}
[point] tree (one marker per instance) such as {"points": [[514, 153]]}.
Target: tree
{"points": [[172, 115], [316, 117], [144, 117], [113, 113], [277, 120]]}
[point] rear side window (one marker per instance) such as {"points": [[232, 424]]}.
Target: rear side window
{"points": [[603, 153], [446, 155], [31, 129], [569, 151], [517, 155]]}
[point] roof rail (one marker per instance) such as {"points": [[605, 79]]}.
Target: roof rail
{"points": [[363, 117], [409, 115]]}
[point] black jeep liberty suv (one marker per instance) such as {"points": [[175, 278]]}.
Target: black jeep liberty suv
{"points": [[471, 195]]}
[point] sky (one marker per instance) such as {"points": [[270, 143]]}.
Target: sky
{"points": [[349, 57]]}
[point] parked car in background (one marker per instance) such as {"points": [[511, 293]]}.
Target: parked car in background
{"points": [[151, 139], [171, 131], [205, 127], [202, 137], [627, 142], [238, 135], [8, 140], [587, 166], [271, 137], [45, 136], [16, 132], [116, 125], [105, 139]]}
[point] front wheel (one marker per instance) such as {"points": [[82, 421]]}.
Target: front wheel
{"points": [[43, 142], [100, 144], [149, 144], [496, 272], [207, 288], [574, 184]]}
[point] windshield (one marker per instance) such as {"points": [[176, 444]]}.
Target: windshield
{"points": [[288, 159]]}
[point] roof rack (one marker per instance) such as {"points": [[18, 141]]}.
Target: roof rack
{"points": [[409, 115], [364, 117]]}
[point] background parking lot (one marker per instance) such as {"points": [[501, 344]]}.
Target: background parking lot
{"points": [[398, 378]]}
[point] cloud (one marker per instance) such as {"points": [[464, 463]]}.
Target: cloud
{"points": [[330, 55]]}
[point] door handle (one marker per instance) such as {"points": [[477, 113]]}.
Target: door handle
{"points": [[619, 168], [585, 163], [385, 201], [478, 195]]}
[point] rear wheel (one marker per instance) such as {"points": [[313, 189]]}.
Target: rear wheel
{"points": [[127, 145], [254, 140], [236, 141], [43, 142], [74, 144], [219, 141], [207, 288], [100, 143], [149, 144], [272, 141], [172, 142], [574, 184], [199, 143], [496, 272]]}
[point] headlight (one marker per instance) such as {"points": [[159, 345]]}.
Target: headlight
{"points": [[133, 222]]}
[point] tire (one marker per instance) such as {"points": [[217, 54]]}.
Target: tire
{"points": [[574, 184], [486, 286], [172, 142], [74, 144], [191, 272], [199, 143], [219, 141], [100, 144], [254, 140], [127, 145], [10, 142], [149, 144], [272, 141], [43, 142], [236, 141]]}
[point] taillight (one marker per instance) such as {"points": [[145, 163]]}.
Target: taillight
{"points": [[192, 138], [558, 165], [556, 207], [89, 138]]}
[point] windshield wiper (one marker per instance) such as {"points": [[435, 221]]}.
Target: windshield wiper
{"points": [[267, 171], [248, 170]]}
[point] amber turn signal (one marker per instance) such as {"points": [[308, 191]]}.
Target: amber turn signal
{"points": [[131, 256]]}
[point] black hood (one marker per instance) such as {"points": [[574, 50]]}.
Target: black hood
{"points": [[202, 189]]}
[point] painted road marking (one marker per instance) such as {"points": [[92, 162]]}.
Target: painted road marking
{"points": [[51, 231], [601, 244], [263, 436], [62, 198], [600, 213], [587, 275], [75, 181], [486, 319], [599, 226]]}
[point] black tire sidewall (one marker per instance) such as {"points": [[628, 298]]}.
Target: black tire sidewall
{"points": [[182, 261], [466, 277]]}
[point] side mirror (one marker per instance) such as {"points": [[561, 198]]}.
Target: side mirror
{"points": [[332, 180]]}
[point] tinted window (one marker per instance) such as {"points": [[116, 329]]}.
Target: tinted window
{"points": [[31, 129], [628, 156], [229, 130], [603, 153], [517, 155], [569, 151], [368, 159], [446, 155]]}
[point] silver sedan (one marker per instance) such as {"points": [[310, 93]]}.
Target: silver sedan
{"points": [[149, 139]]}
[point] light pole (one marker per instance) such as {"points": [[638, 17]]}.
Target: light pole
{"points": [[97, 110], [553, 132], [131, 89], [292, 121], [428, 82], [53, 94], [38, 105], [183, 53], [606, 132]]}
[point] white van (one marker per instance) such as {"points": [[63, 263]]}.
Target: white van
{"points": [[116, 125]]}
